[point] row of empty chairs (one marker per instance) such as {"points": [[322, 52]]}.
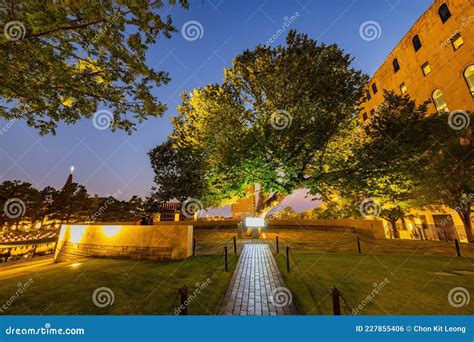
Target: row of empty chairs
{"points": [[17, 244]]}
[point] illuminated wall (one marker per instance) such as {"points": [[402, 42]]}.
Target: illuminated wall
{"points": [[160, 242]]}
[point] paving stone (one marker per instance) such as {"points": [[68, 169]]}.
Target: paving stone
{"points": [[253, 282]]}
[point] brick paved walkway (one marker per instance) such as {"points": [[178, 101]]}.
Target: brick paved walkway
{"points": [[252, 289]]}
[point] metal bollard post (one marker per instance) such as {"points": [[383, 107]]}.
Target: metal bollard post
{"points": [[235, 245], [358, 245], [277, 245], [183, 291], [288, 258], [194, 247], [225, 259], [336, 303], [458, 250]]}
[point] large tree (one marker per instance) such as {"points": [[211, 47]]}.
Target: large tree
{"points": [[270, 122], [448, 175], [406, 158], [375, 176], [63, 60]]}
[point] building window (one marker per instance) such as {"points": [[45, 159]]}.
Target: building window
{"points": [[444, 13], [374, 88], [396, 66], [372, 112], [469, 76], [457, 41], [364, 116], [368, 96], [416, 42], [439, 101], [426, 68], [403, 88]]}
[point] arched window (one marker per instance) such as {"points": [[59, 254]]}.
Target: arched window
{"points": [[395, 64], [439, 101], [403, 88], [374, 88], [416, 42], [469, 76], [444, 13]]}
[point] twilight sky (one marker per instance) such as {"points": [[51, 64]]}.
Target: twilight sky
{"points": [[117, 163]]}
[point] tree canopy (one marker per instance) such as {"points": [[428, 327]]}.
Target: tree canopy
{"points": [[271, 122], [65, 60], [407, 158], [22, 203]]}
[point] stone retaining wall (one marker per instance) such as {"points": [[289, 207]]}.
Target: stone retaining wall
{"points": [[159, 242]]}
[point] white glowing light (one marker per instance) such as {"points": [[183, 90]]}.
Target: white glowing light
{"points": [[255, 222], [111, 231], [76, 264], [71, 169]]}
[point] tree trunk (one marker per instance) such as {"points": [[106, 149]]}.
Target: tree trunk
{"points": [[465, 216], [265, 205], [393, 223]]}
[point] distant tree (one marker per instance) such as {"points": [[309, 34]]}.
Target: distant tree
{"points": [[286, 213], [110, 209], [334, 207], [46, 205], [72, 203], [135, 207], [18, 201], [63, 60], [269, 123]]}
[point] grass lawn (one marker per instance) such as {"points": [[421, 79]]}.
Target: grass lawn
{"points": [[139, 287], [417, 285], [420, 275]]}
